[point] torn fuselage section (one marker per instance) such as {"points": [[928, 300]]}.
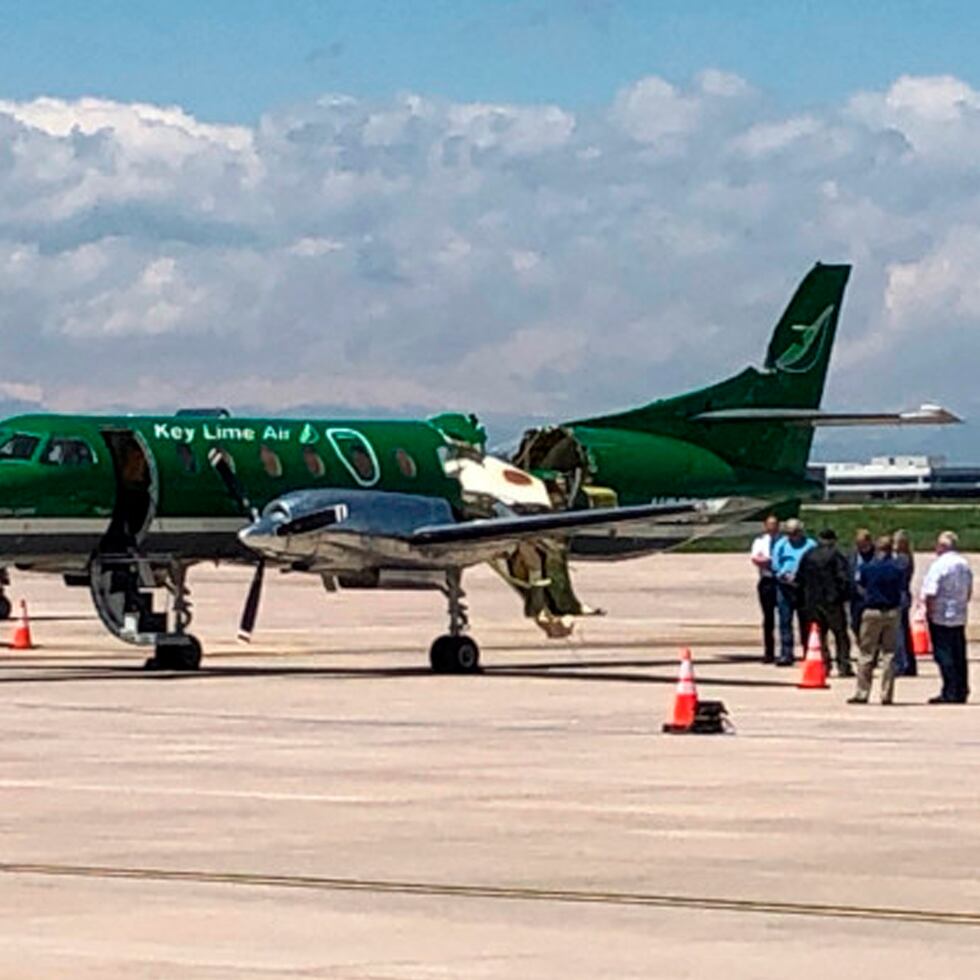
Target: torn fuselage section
{"points": [[492, 487], [554, 455], [580, 468]]}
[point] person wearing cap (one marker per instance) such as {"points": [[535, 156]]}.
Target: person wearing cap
{"points": [[787, 553], [881, 580], [761, 557], [946, 591], [824, 578]]}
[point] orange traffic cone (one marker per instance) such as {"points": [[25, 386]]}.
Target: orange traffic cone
{"points": [[685, 699], [22, 635], [921, 641], [814, 669]]}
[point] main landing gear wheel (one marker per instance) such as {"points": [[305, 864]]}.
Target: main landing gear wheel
{"points": [[178, 651], [454, 652], [454, 655], [5, 607]]}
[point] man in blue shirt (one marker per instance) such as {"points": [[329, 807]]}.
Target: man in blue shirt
{"points": [[882, 580], [787, 553]]}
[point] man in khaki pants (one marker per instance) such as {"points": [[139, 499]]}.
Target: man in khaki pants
{"points": [[882, 580]]}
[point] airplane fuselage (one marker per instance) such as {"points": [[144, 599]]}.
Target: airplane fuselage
{"points": [[63, 477]]}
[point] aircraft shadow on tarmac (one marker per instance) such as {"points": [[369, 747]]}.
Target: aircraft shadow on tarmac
{"points": [[632, 671]]}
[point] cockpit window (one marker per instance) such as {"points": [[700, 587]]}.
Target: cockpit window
{"points": [[67, 452], [357, 455], [18, 446]]}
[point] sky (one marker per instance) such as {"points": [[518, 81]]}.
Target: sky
{"points": [[232, 60], [530, 210]]}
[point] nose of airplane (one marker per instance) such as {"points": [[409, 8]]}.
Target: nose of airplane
{"points": [[261, 536], [20, 489]]}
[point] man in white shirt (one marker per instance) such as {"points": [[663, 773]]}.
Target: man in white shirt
{"points": [[946, 591], [761, 557]]}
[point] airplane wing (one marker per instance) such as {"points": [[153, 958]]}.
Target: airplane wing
{"points": [[473, 540], [371, 528], [924, 415]]}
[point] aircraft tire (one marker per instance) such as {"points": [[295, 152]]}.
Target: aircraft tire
{"points": [[467, 655], [5, 607], [180, 652], [454, 655], [440, 655]]}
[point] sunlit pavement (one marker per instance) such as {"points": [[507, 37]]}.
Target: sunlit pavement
{"points": [[318, 804]]}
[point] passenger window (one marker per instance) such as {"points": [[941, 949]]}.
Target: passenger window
{"points": [[357, 455], [362, 463], [186, 457], [19, 446], [270, 462], [313, 461], [67, 452], [406, 465]]}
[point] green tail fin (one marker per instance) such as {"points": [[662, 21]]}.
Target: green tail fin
{"points": [[793, 376]]}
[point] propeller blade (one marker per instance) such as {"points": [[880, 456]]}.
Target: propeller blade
{"points": [[236, 490], [251, 610]]}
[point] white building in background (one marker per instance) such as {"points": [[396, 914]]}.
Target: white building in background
{"points": [[897, 477]]}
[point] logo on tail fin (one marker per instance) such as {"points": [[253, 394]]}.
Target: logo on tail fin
{"points": [[805, 352]]}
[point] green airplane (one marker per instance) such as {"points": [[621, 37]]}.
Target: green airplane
{"points": [[124, 505]]}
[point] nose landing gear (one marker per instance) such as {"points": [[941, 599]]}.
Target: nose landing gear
{"points": [[175, 651], [454, 652]]}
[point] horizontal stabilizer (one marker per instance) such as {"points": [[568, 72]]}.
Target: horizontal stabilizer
{"points": [[924, 415]]}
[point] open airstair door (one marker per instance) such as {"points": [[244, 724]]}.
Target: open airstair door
{"points": [[123, 577], [136, 491]]}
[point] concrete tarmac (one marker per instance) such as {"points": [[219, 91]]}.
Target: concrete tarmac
{"points": [[318, 804]]}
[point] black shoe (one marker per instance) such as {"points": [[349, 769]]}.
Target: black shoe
{"points": [[939, 699], [857, 700], [768, 660], [845, 672], [782, 662]]}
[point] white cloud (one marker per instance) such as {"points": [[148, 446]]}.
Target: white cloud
{"points": [[312, 247], [942, 286], [514, 130], [765, 139], [20, 392], [937, 116], [654, 111], [723, 84], [423, 254]]}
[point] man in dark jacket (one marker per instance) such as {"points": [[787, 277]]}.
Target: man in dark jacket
{"points": [[864, 551], [825, 578], [882, 580]]}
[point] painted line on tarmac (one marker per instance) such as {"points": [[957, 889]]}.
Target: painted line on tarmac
{"points": [[493, 892]]}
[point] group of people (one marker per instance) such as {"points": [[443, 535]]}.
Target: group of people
{"points": [[870, 592]]}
